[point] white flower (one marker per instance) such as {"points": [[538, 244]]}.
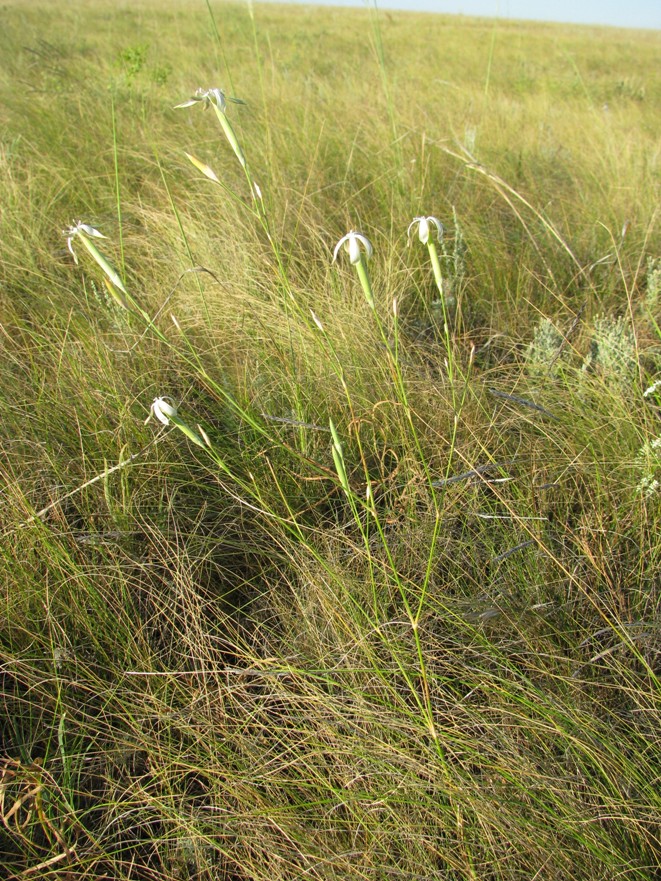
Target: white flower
{"points": [[207, 97], [162, 410], [166, 412], [653, 388], [424, 228], [352, 242], [76, 230]]}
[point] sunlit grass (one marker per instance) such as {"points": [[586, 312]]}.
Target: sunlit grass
{"points": [[375, 591]]}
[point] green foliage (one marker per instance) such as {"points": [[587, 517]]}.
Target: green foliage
{"points": [[375, 593], [161, 74], [132, 60]]}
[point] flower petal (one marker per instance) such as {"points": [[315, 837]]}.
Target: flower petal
{"points": [[411, 225], [217, 97], [369, 250], [352, 242], [89, 230], [437, 223], [162, 410], [70, 247], [354, 249], [339, 245]]}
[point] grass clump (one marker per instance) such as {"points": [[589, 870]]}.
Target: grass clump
{"points": [[318, 568]]}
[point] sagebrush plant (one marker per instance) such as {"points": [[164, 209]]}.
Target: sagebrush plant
{"points": [[648, 463], [545, 350], [311, 567], [612, 355]]}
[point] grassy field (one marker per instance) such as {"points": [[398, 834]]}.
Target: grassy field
{"points": [[374, 593]]}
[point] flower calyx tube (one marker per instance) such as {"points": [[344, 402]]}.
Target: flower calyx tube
{"points": [[360, 250], [425, 234], [426, 227]]}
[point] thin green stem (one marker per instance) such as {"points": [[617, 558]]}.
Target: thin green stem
{"points": [[118, 200], [365, 282]]}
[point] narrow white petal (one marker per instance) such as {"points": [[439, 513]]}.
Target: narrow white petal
{"points": [[437, 223], [70, 247], [339, 245], [317, 322], [218, 96], [90, 231], [369, 250], [163, 411], [411, 225]]}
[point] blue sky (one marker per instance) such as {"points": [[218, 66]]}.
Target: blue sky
{"points": [[623, 13]]}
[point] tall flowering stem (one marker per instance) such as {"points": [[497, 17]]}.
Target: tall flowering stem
{"points": [[355, 244], [426, 226], [84, 233], [217, 99]]}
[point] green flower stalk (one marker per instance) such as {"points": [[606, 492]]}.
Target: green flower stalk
{"points": [[426, 227], [217, 99], [425, 234], [167, 413], [84, 233], [354, 244]]}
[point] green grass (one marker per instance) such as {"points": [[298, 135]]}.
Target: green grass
{"points": [[424, 646]]}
